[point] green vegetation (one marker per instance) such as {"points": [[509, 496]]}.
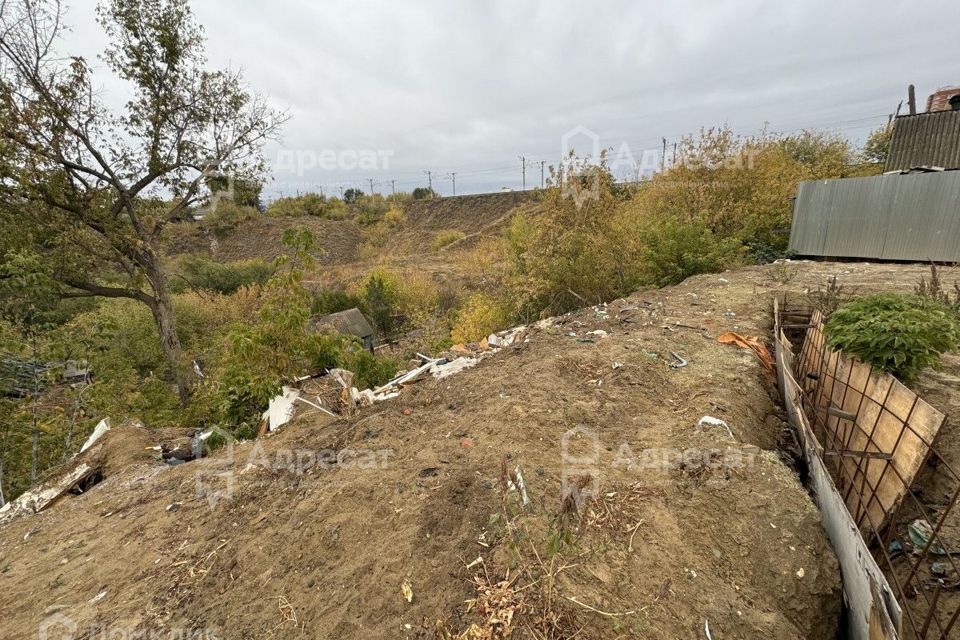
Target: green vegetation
{"points": [[195, 272], [83, 196], [902, 334], [84, 277], [226, 217], [310, 204]]}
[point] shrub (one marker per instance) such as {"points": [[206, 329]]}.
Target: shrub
{"points": [[326, 302], [481, 316], [901, 334], [379, 302], [199, 273], [447, 237], [395, 217], [369, 371], [308, 204], [673, 250], [424, 193], [226, 217]]}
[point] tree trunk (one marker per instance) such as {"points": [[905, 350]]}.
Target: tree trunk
{"points": [[162, 308]]}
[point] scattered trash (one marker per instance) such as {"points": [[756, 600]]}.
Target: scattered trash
{"points": [[407, 590], [617, 365], [896, 547], [679, 362], [521, 485], [753, 343], [715, 422], [281, 408], [600, 333], [102, 427], [706, 629], [920, 533], [939, 569], [801, 573]]}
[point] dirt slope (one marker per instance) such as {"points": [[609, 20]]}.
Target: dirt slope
{"points": [[668, 548], [474, 215], [262, 238], [340, 240]]}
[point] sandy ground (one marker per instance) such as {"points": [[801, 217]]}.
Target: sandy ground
{"points": [[244, 544]]}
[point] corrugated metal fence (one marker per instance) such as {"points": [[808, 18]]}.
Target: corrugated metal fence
{"points": [[891, 217], [925, 140]]}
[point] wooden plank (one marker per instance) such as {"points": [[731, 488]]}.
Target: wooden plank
{"points": [[872, 616]]}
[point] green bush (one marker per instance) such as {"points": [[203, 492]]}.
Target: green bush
{"points": [[326, 302], [369, 371], [196, 272], [902, 334], [308, 204], [674, 250], [226, 217]]}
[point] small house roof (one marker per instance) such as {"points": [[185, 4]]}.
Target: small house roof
{"points": [[350, 322]]}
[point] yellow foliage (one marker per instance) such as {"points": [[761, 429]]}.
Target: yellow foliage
{"points": [[446, 237], [481, 316], [395, 217]]}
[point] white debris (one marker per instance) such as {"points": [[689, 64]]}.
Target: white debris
{"points": [[281, 408], [102, 427], [446, 369], [600, 333], [710, 421]]}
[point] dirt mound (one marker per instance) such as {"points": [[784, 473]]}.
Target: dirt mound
{"points": [[473, 215], [325, 528], [262, 238]]}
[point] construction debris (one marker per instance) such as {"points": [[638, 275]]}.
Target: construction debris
{"points": [[39, 499], [102, 427]]}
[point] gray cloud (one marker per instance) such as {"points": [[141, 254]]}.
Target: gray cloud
{"points": [[469, 86]]}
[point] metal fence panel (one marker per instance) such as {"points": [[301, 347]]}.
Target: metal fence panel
{"points": [[891, 217]]}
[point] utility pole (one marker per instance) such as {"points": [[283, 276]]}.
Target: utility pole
{"points": [[453, 177], [523, 164], [542, 163], [370, 180], [429, 179], [341, 191], [663, 156], [393, 187], [912, 100]]}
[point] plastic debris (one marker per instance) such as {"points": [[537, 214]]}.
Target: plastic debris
{"points": [[407, 590], [710, 421], [920, 533], [679, 362], [750, 342]]}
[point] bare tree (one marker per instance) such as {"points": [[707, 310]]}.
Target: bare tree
{"points": [[95, 188]]}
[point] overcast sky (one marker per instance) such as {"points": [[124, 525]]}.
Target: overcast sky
{"points": [[467, 87]]}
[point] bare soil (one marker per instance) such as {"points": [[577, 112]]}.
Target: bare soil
{"points": [[664, 550]]}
